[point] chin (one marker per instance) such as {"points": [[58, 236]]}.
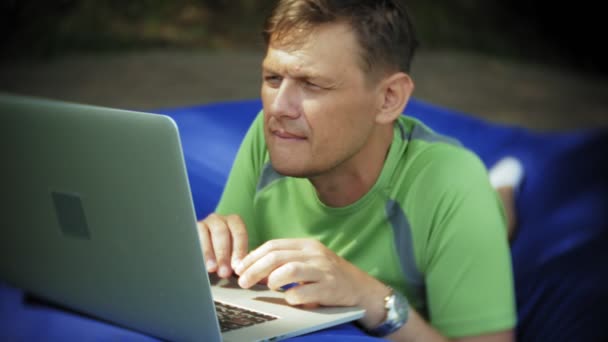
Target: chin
{"points": [[290, 170]]}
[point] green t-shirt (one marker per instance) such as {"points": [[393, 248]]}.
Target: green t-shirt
{"points": [[431, 227]]}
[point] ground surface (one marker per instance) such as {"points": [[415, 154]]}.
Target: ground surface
{"points": [[536, 96]]}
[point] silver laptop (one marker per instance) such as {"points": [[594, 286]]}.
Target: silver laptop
{"points": [[98, 217]]}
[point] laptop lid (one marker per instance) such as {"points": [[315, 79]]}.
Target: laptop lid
{"points": [[100, 219]]}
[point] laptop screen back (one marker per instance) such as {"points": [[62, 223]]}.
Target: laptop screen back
{"points": [[100, 218]]}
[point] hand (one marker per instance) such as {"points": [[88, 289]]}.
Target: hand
{"points": [[224, 242], [324, 278]]}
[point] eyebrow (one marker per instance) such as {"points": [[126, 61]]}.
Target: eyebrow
{"points": [[302, 75]]}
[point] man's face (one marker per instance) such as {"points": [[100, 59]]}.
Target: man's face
{"points": [[319, 108]]}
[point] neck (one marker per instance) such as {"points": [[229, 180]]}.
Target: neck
{"points": [[352, 179]]}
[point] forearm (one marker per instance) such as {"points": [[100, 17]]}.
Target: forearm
{"points": [[416, 327]]}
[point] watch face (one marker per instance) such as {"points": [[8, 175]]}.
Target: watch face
{"points": [[397, 312], [392, 307], [402, 306]]}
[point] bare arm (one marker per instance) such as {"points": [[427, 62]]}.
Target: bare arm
{"points": [[329, 280], [417, 329]]}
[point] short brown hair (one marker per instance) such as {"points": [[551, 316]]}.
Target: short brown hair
{"points": [[383, 28]]}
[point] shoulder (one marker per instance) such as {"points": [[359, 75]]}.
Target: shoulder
{"points": [[438, 182], [257, 126], [436, 161], [254, 143]]}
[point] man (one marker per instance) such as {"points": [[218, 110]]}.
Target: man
{"points": [[337, 192]]}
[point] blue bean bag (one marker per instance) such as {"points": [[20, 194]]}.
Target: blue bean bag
{"points": [[560, 252]]}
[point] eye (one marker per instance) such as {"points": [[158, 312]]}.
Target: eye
{"points": [[311, 85], [273, 80]]}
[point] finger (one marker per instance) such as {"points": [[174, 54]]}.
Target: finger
{"points": [[240, 242], [310, 306], [306, 294], [222, 242], [205, 240], [265, 249], [320, 293], [265, 265], [293, 272]]}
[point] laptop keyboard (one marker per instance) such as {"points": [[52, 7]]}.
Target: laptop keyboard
{"points": [[232, 317]]}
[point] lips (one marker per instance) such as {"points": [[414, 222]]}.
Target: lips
{"points": [[287, 135]]}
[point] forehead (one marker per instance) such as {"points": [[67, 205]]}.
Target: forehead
{"points": [[329, 47]]}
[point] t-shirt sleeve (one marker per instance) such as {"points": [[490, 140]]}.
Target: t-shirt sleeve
{"points": [[239, 191], [462, 247]]}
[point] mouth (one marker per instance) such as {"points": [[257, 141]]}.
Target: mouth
{"points": [[282, 134]]}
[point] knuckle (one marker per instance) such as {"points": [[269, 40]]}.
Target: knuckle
{"points": [[217, 228], [239, 234], [201, 225], [290, 270], [273, 257], [271, 245], [215, 219], [333, 285], [212, 217], [311, 244], [235, 218]]}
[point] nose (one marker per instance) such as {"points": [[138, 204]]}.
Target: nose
{"points": [[286, 99]]}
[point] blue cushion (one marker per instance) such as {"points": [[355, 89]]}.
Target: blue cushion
{"points": [[560, 253]]}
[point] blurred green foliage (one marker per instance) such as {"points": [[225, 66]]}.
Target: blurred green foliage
{"points": [[46, 28], [43, 28]]}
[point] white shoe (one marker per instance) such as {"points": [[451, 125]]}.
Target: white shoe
{"points": [[507, 172]]}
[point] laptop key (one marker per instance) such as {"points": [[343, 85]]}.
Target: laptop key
{"points": [[233, 317]]}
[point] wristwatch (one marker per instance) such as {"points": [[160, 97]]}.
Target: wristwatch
{"points": [[397, 312]]}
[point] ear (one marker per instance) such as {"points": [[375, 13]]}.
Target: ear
{"points": [[395, 92]]}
